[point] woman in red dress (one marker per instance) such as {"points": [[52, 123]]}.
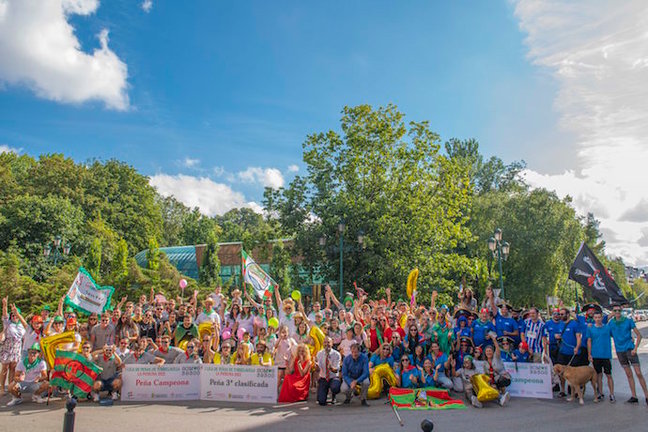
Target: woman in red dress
{"points": [[297, 381]]}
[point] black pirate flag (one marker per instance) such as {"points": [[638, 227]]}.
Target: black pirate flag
{"points": [[588, 271]]}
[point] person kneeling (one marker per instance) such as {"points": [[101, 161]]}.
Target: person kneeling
{"points": [[494, 368], [328, 366], [30, 377], [109, 378], [355, 371]]}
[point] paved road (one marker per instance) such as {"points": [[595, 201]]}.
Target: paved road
{"points": [[522, 414]]}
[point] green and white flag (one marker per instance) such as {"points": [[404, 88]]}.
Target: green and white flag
{"points": [[85, 295], [254, 275]]}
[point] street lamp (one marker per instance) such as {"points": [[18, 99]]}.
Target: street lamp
{"points": [[341, 227], [57, 249], [501, 252]]}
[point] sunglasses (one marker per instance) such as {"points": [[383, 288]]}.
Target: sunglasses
{"points": [[190, 347], [404, 360], [616, 310]]}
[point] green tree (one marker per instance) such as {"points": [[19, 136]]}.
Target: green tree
{"points": [[153, 254], [280, 267], [210, 267]]}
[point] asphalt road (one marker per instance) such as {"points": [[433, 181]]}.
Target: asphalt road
{"points": [[522, 414]]}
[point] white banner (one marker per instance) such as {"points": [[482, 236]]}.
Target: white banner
{"points": [[160, 383], [532, 380], [238, 383], [86, 295]]}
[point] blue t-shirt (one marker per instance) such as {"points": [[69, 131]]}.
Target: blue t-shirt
{"points": [[551, 329], [601, 342], [397, 353], [572, 328], [440, 360], [480, 330], [622, 334], [376, 360], [462, 331], [521, 358], [506, 356], [505, 324], [428, 381], [406, 378], [416, 361]]}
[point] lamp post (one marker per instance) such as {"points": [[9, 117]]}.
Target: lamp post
{"points": [[340, 229], [500, 251], [56, 250]]}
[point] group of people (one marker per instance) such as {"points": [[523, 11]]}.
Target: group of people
{"points": [[334, 348]]}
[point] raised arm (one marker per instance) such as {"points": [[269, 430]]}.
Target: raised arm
{"points": [[14, 310], [388, 292], [333, 298], [249, 298], [278, 297]]}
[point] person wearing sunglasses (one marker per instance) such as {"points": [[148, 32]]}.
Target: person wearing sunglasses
{"points": [[109, 379], [553, 330], [623, 328], [191, 354], [407, 375], [166, 351]]}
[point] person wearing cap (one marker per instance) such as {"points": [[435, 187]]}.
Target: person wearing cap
{"points": [[208, 314], [10, 349], [464, 375], [30, 377], [465, 348], [521, 354], [599, 348], [109, 379], [33, 332], [622, 329], [45, 313]]}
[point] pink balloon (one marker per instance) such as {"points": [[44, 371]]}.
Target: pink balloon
{"points": [[226, 334], [239, 334], [183, 283]]}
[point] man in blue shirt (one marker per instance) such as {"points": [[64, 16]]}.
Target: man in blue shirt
{"points": [[626, 349], [553, 332], [570, 343], [599, 347], [481, 328], [355, 370], [534, 335], [504, 324]]}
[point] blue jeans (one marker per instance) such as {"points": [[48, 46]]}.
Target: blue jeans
{"points": [[323, 387]]}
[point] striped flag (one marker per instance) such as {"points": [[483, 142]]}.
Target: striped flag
{"points": [[74, 372], [429, 398]]}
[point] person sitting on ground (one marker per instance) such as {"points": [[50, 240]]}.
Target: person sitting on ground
{"points": [[407, 375], [441, 363], [465, 373], [494, 368], [30, 377], [382, 355], [108, 380], [428, 374]]}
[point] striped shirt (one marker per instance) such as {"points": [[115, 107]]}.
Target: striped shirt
{"points": [[533, 332]]}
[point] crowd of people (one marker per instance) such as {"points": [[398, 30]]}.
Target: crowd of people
{"points": [[424, 346]]}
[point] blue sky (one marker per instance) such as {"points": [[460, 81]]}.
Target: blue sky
{"points": [[220, 95]]}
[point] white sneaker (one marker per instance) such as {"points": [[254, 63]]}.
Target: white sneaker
{"points": [[95, 397], [38, 399], [14, 401], [504, 399], [475, 402], [115, 396]]}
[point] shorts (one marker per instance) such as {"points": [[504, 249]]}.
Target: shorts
{"points": [[107, 384], [626, 358], [28, 387], [565, 359], [602, 365]]}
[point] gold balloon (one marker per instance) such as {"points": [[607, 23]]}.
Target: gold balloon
{"points": [[403, 321], [183, 345], [485, 393], [205, 328], [48, 345], [381, 373], [318, 339]]}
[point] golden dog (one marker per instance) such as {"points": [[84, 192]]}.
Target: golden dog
{"points": [[577, 378]]}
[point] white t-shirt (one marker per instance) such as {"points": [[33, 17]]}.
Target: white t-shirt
{"points": [[284, 352], [246, 323], [218, 299], [345, 346], [334, 358], [212, 317], [33, 373], [288, 321]]}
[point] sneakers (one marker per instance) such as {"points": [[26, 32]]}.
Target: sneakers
{"points": [[115, 396], [347, 401], [612, 399], [38, 399], [475, 402], [95, 397], [14, 401], [504, 399], [364, 403], [633, 400], [598, 399]]}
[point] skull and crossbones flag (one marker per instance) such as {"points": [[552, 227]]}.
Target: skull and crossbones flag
{"points": [[588, 271]]}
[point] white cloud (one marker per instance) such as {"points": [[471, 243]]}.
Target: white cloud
{"points": [[38, 49], [598, 52], [190, 163], [6, 149], [293, 168], [268, 177], [147, 5], [210, 197]]}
